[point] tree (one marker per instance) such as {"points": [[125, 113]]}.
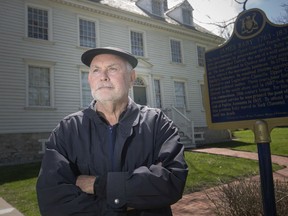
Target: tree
{"points": [[283, 18], [225, 28]]}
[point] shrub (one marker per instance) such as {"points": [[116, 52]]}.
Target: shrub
{"points": [[243, 198]]}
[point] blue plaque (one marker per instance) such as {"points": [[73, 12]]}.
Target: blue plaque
{"points": [[247, 77]]}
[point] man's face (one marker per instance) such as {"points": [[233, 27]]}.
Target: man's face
{"points": [[109, 78]]}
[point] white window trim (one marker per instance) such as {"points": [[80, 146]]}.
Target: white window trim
{"points": [[181, 47], [144, 41], [96, 29], [39, 63], [201, 82], [197, 63], [161, 91], [190, 18], [147, 84], [161, 9], [81, 92], [186, 93], [50, 21]]}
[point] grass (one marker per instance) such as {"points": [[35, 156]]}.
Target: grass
{"points": [[206, 170], [17, 183], [245, 141], [17, 187]]}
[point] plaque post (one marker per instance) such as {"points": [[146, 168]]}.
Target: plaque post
{"points": [[262, 138]]}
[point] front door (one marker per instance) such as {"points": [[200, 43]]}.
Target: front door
{"points": [[139, 91]]}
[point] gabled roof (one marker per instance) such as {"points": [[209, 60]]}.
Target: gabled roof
{"points": [[178, 3], [126, 5], [132, 7], [173, 3]]}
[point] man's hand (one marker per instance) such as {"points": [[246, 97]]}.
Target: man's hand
{"points": [[86, 183]]}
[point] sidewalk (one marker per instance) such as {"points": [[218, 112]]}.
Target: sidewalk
{"points": [[7, 210], [197, 204], [194, 204]]}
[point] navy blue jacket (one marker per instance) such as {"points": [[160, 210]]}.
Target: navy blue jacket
{"points": [[148, 174]]}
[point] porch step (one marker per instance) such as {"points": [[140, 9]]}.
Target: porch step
{"points": [[186, 141]]}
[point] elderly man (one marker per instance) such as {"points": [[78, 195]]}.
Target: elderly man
{"points": [[115, 157]]}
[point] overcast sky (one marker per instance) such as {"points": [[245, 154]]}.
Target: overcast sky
{"points": [[207, 11]]}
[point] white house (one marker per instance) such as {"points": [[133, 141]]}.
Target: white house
{"points": [[43, 79]]}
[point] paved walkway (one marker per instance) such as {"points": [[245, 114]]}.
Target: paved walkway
{"points": [[197, 204], [194, 204], [7, 210]]}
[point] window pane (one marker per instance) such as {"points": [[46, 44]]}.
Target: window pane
{"points": [[86, 92], [157, 93], [176, 51], [187, 16], [87, 33], [156, 7], [37, 23], [202, 94], [180, 94], [39, 86], [137, 43], [201, 55]]}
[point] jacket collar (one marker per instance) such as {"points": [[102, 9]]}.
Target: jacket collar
{"points": [[129, 119]]}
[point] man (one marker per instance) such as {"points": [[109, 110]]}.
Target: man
{"points": [[115, 157]]}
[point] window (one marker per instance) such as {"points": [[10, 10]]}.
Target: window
{"points": [[38, 23], [137, 43], [39, 86], [139, 82], [187, 16], [85, 89], [156, 7], [202, 90], [176, 51], [201, 55], [87, 33], [139, 91], [180, 94], [157, 93]]}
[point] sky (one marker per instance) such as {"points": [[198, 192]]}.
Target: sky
{"points": [[207, 11]]}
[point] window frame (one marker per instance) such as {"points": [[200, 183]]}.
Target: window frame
{"points": [[181, 51], [96, 23], [187, 16], [200, 58], [143, 40], [160, 92], [159, 11], [42, 64], [185, 93], [49, 14], [202, 93], [81, 88]]}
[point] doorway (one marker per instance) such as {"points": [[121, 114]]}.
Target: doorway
{"points": [[139, 91]]}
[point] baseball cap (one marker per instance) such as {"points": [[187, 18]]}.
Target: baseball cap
{"points": [[88, 56]]}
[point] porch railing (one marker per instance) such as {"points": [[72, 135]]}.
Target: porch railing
{"points": [[183, 123]]}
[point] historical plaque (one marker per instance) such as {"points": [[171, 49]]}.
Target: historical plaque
{"points": [[247, 77]]}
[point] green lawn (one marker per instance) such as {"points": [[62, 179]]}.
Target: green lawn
{"points": [[17, 186], [245, 141], [17, 183]]}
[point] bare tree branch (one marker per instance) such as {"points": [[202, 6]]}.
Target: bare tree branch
{"points": [[283, 18], [244, 3]]}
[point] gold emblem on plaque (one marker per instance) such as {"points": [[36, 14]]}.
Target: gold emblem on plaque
{"points": [[249, 24]]}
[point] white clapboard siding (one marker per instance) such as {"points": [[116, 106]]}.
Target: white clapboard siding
{"points": [[63, 54]]}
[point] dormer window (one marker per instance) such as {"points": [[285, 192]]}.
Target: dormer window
{"points": [[187, 16], [157, 7]]}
